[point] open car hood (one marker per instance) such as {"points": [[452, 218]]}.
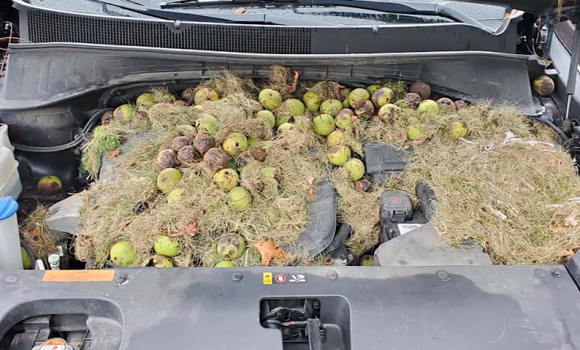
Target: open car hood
{"points": [[539, 7]]}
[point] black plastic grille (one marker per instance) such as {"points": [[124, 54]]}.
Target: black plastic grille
{"points": [[49, 26]]}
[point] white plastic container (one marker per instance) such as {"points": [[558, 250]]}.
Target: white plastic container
{"points": [[10, 253], [10, 184]]}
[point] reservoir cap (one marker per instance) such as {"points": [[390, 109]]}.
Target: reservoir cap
{"points": [[8, 207]]}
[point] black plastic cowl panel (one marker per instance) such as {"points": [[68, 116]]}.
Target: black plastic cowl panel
{"points": [[44, 74]]}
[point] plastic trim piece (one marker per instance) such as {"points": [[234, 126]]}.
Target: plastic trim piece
{"points": [[88, 68]]}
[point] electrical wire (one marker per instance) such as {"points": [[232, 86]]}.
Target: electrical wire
{"points": [[91, 123], [565, 138], [13, 35]]}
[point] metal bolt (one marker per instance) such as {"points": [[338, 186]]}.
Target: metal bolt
{"points": [[332, 275], [556, 273], [120, 278], [12, 279], [237, 276], [443, 276]]}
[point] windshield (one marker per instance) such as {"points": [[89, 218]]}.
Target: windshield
{"points": [[489, 15]]}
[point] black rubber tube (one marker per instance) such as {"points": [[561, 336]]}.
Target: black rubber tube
{"points": [[565, 138]]}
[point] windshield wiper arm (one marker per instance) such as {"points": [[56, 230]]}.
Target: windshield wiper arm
{"points": [[137, 7], [415, 8]]}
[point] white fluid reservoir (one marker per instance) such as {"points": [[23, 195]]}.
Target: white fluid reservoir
{"points": [[10, 184], [10, 253]]}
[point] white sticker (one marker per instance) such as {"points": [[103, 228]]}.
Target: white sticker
{"points": [[297, 278], [405, 228], [53, 347]]}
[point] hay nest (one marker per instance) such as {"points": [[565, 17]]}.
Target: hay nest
{"points": [[279, 202], [505, 184], [226, 84], [35, 233], [360, 210]]}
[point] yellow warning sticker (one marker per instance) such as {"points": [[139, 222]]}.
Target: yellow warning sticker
{"points": [[78, 276], [267, 278]]}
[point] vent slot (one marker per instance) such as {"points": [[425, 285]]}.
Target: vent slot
{"points": [[48, 26]]}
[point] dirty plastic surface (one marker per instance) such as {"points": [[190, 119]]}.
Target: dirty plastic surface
{"points": [[436, 308]]}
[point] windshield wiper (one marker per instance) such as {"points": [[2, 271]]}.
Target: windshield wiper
{"points": [[414, 8], [137, 7]]}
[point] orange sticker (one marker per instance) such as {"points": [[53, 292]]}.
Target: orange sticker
{"points": [[78, 276], [54, 341], [54, 344]]}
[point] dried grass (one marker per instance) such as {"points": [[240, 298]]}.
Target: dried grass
{"points": [[513, 197], [560, 4], [226, 84], [235, 113], [326, 90], [160, 93], [360, 210], [278, 210], [516, 196], [500, 191], [280, 78], [35, 233]]}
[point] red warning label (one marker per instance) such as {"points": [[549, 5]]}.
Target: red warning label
{"points": [[280, 278]]}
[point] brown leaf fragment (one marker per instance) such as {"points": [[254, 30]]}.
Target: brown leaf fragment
{"points": [[268, 251], [190, 229]]}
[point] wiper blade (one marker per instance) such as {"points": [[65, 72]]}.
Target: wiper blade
{"points": [[414, 8], [137, 7]]}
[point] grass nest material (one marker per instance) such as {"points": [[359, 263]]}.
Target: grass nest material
{"points": [[279, 197], [35, 233], [227, 84], [278, 210], [505, 184]]}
